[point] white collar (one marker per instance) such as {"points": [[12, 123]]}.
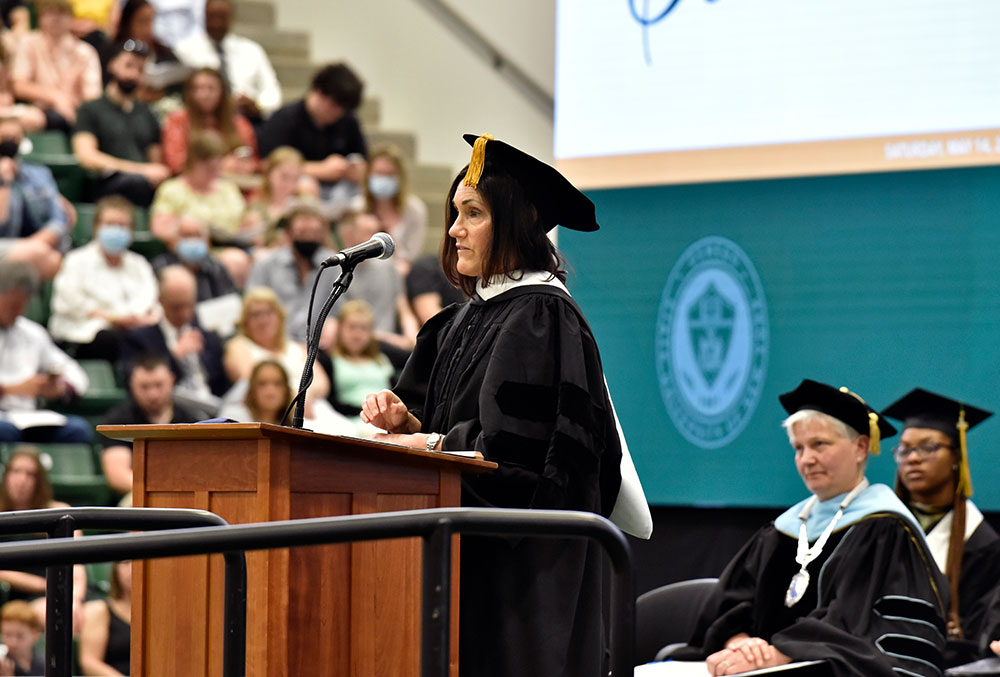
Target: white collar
{"points": [[503, 283]]}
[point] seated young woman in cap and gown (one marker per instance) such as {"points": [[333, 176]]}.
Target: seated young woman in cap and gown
{"points": [[934, 481], [844, 576], [515, 373]]}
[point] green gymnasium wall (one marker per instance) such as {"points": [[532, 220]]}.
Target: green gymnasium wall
{"points": [[879, 282]]}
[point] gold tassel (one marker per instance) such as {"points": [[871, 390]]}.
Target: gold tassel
{"points": [[874, 434], [964, 475], [478, 161]]}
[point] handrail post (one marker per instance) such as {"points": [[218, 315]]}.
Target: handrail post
{"points": [[435, 626], [234, 642], [59, 608]]}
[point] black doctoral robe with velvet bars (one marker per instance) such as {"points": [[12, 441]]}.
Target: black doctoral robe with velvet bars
{"points": [[874, 606], [518, 378]]}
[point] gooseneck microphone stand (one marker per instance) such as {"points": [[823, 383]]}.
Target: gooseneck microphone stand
{"points": [[339, 287]]}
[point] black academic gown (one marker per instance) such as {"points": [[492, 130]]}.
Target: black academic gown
{"points": [[875, 601], [980, 576], [518, 378]]}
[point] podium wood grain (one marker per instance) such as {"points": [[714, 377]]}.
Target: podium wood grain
{"points": [[349, 609]]}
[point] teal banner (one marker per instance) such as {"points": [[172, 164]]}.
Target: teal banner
{"points": [[710, 300]]}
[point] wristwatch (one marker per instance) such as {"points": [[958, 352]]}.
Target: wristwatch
{"points": [[432, 441]]}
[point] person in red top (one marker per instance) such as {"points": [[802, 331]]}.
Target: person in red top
{"points": [[208, 105]]}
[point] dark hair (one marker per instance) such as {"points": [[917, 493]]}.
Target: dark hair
{"points": [[150, 362], [250, 401], [124, 32], [338, 82], [42, 497], [113, 202], [519, 239]]}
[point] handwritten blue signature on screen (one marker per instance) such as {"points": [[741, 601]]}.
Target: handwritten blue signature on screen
{"points": [[645, 20]]}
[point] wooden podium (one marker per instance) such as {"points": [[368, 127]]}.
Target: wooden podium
{"points": [[349, 609]]}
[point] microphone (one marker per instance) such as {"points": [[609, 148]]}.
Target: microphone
{"points": [[380, 246]]}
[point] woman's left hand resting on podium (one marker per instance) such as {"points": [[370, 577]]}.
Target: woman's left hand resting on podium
{"points": [[385, 410], [744, 653]]}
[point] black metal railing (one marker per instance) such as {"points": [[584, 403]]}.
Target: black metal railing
{"points": [[60, 523], [435, 526]]}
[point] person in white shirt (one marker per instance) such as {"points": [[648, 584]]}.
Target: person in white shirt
{"points": [[242, 62], [103, 288], [31, 366]]}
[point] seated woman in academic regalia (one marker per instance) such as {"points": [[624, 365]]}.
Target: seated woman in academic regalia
{"points": [[933, 480], [844, 576]]}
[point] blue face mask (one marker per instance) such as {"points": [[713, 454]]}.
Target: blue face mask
{"points": [[383, 187], [114, 238], [192, 249]]}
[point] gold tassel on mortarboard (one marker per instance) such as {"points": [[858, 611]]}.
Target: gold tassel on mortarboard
{"points": [[964, 476], [478, 161], [874, 434]]}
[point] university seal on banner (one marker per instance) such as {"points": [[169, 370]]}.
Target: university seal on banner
{"points": [[712, 342]]}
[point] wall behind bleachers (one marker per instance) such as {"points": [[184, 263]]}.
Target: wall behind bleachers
{"points": [[426, 80]]}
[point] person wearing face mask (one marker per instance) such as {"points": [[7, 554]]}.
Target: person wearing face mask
{"points": [[386, 194], [118, 136], [34, 223], [54, 69], [191, 250], [103, 288], [291, 269]]}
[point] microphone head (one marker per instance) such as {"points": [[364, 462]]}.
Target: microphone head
{"points": [[388, 246]]}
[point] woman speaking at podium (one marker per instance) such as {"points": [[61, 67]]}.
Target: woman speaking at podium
{"points": [[515, 374]]}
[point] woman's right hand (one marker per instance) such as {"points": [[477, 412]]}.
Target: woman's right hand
{"points": [[995, 646], [385, 410]]}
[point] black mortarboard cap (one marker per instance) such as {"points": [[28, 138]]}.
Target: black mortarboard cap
{"points": [[920, 408], [558, 201], [843, 405]]}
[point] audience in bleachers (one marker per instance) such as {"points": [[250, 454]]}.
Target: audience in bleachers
{"points": [[105, 647], [34, 224], [268, 393], [176, 19], [323, 127], [32, 118], [284, 183], [428, 290], [263, 335], [26, 486], [118, 136], [290, 270], [191, 250], [208, 106], [201, 192], [378, 283], [151, 400], [359, 367], [386, 194], [242, 62], [16, 17], [193, 353], [20, 629], [31, 366], [103, 288], [136, 23], [54, 69]]}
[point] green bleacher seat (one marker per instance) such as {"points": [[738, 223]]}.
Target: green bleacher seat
{"points": [[102, 394], [84, 228], [49, 143], [98, 578], [40, 306]]}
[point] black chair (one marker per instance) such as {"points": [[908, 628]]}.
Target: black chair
{"points": [[667, 616]]}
